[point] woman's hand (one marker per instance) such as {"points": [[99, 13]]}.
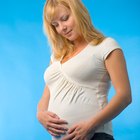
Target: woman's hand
{"points": [[53, 124], [80, 131]]}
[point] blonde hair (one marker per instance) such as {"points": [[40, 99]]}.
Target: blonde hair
{"points": [[60, 45]]}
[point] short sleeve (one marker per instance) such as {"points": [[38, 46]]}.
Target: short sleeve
{"points": [[108, 46]]}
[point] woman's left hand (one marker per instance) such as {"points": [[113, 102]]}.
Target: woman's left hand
{"points": [[80, 131]]}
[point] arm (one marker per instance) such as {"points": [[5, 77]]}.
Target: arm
{"points": [[49, 120], [116, 66], [44, 101]]}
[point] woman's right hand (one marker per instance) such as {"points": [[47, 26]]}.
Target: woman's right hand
{"points": [[54, 125]]}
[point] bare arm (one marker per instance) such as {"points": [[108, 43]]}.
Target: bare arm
{"points": [[50, 121], [44, 101], [116, 66]]}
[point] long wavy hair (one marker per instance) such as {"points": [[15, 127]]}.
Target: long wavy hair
{"points": [[60, 45]]}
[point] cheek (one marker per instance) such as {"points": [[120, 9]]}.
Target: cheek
{"points": [[57, 30], [71, 22], [73, 25]]}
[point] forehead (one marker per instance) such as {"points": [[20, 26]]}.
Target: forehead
{"points": [[54, 11], [59, 12]]}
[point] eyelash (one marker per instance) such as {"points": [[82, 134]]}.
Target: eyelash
{"points": [[65, 18]]}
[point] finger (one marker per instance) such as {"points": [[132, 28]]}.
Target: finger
{"points": [[69, 137], [53, 134], [71, 129], [60, 127], [60, 121], [56, 131], [76, 138], [53, 115]]}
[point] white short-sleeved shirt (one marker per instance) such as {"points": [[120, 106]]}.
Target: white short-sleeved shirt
{"points": [[79, 87]]}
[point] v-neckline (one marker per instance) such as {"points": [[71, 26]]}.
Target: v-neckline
{"points": [[73, 56]]}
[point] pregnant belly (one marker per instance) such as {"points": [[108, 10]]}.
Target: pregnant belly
{"points": [[73, 113]]}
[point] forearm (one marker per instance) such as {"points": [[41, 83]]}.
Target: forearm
{"points": [[42, 105], [44, 101], [114, 108]]}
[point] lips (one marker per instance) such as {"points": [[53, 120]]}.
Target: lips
{"points": [[68, 32]]}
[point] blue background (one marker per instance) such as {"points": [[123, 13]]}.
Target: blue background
{"points": [[24, 55]]}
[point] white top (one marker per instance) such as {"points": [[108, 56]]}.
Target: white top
{"points": [[79, 87]]}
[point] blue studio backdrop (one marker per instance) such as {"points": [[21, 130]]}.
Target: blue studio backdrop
{"points": [[25, 54]]}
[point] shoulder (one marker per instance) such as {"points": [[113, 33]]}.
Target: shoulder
{"points": [[108, 41], [107, 46]]}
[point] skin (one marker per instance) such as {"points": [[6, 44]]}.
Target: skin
{"points": [[65, 25], [115, 64], [116, 67], [51, 122]]}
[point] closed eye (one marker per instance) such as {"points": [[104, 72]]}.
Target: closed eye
{"points": [[65, 18], [55, 24]]}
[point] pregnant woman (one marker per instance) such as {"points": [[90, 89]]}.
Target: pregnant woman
{"points": [[83, 65]]}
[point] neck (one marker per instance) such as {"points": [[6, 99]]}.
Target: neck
{"points": [[80, 43]]}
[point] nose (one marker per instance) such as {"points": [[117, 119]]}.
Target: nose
{"points": [[63, 28]]}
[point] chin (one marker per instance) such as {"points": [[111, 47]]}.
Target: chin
{"points": [[72, 38]]}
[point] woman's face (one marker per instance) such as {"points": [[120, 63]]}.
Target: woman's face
{"points": [[64, 24]]}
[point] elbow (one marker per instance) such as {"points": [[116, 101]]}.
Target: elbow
{"points": [[129, 101], [128, 98]]}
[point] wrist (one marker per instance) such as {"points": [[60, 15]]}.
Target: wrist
{"points": [[40, 113], [93, 124]]}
